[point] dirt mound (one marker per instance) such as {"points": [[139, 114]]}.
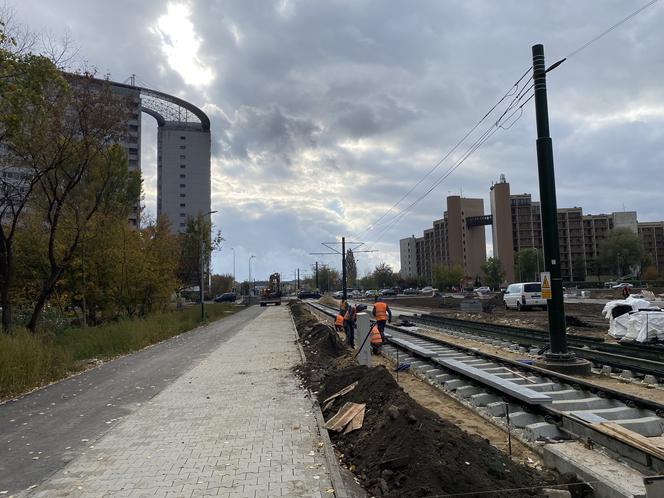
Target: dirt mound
{"points": [[404, 450], [322, 346]]}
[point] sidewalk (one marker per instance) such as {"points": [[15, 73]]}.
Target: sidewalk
{"points": [[236, 425]]}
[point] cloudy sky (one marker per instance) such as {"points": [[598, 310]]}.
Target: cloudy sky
{"points": [[325, 113]]}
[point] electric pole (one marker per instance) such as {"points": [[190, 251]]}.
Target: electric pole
{"points": [[559, 357], [343, 258], [317, 288]]}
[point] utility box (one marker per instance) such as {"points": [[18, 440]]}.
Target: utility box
{"points": [[362, 339]]}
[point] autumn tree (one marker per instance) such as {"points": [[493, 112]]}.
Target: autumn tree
{"points": [[529, 262]]}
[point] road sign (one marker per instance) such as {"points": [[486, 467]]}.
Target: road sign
{"points": [[545, 279]]}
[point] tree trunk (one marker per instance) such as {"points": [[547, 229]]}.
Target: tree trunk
{"points": [[5, 272]]}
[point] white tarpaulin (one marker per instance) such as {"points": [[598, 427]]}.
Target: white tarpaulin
{"points": [[645, 326], [619, 327]]}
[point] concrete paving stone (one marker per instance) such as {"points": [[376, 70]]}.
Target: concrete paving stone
{"points": [[226, 427]]}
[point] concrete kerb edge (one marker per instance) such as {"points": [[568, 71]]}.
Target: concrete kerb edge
{"points": [[328, 450]]}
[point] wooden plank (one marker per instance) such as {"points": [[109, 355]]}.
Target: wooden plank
{"points": [[345, 390], [343, 416], [630, 437], [356, 422]]}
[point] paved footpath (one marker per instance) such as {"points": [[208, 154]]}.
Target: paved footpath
{"points": [[236, 425]]}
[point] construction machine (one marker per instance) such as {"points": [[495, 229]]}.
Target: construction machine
{"points": [[272, 293]]}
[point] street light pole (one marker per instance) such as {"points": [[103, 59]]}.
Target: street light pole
{"points": [[202, 263], [249, 282], [233, 249]]}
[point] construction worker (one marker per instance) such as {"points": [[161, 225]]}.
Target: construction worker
{"points": [[625, 292], [382, 312], [350, 316], [375, 338], [339, 322]]}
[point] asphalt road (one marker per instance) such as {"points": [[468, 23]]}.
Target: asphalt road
{"points": [[43, 431]]}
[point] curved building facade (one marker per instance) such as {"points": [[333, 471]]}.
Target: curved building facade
{"points": [[183, 152]]}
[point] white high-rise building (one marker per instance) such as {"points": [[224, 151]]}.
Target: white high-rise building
{"points": [[408, 257]]}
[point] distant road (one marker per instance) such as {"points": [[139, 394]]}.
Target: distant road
{"points": [[45, 430]]}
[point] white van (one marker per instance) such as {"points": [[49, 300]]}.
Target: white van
{"points": [[524, 295]]}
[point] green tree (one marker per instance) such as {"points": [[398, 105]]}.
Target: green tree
{"points": [[529, 262], [196, 242], [351, 269], [383, 276], [493, 272], [621, 251], [445, 277], [33, 97]]}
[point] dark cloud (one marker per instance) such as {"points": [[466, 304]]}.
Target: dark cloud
{"points": [[324, 113]]}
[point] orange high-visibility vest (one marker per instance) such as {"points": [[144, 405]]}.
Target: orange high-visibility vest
{"points": [[351, 313], [381, 310], [339, 320], [375, 337]]}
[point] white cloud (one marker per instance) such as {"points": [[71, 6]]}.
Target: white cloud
{"points": [[180, 44]]}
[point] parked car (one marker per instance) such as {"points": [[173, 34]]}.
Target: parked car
{"points": [[371, 293], [338, 295], [482, 290], [410, 291], [387, 292], [225, 297], [622, 285], [609, 285], [355, 293], [427, 290], [524, 295]]}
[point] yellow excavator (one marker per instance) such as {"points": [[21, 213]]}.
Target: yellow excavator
{"points": [[272, 293]]}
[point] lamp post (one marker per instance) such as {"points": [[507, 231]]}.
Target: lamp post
{"points": [[202, 264], [249, 282], [233, 249]]}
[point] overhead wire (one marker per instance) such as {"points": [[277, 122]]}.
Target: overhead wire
{"points": [[514, 106], [511, 91], [489, 132]]}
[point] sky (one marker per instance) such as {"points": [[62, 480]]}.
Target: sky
{"points": [[325, 113]]}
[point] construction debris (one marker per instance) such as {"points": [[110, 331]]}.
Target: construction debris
{"points": [[344, 416]]}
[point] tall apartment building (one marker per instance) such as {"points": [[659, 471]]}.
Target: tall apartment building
{"points": [[458, 238], [651, 234], [407, 251]]}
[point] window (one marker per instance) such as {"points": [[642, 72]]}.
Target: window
{"points": [[183, 146], [183, 224], [183, 215], [182, 137], [183, 185], [182, 204], [183, 195], [183, 166], [183, 176], [183, 156]]}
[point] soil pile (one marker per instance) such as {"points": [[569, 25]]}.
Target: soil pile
{"points": [[322, 346], [404, 450]]}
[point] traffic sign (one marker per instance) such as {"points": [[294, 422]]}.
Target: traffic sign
{"points": [[545, 279]]}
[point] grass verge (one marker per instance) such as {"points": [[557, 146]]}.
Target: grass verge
{"points": [[28, 361]]}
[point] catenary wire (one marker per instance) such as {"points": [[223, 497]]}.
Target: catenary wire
{"points": [[482, 140], [512, 90]]}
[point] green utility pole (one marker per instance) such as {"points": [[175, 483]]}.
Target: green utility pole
{"points": [[559, 357]]}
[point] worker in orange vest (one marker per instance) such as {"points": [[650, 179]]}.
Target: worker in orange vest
{"points": [[382, 312], [375, 338], [350, 317], [339, 322]]}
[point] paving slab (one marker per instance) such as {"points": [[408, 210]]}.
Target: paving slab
{"points": [[237, 424]]}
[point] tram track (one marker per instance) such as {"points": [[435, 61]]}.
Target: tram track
{"points": [[544, 406]]}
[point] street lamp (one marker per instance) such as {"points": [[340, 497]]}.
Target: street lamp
{"points": [[249, 282], [202, 264], [233, 249]]}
